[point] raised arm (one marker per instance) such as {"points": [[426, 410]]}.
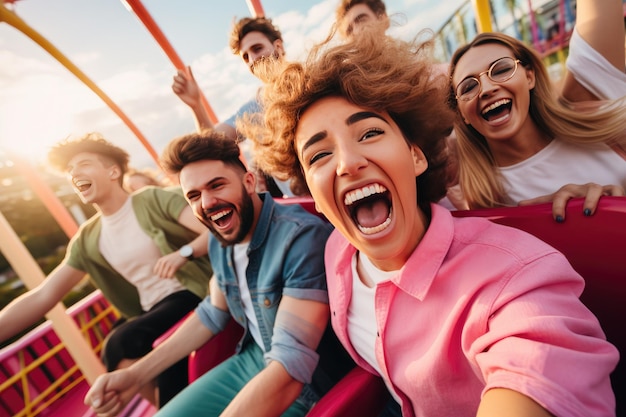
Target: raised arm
{"points": [[299, 324], [33, 305], [600, 24], [187, 89]]}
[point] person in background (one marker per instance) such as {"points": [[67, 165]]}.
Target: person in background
{"points": [[460, 316], [354, 16], [145, 252], [254, 40], [521, 143], [137, 179], [269, 277]]}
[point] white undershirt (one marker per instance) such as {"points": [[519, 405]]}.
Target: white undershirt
{"points": [[133, 254], [362, 328], [240, 260], [562, 163], [593, 70]]}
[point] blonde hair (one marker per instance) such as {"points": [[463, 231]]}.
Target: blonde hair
{"points": [[604, 121], [374, 71]]}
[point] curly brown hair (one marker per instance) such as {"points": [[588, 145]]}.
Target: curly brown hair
{"points": [[61, 153], [374, 72], [249, 24], [199, 146]]}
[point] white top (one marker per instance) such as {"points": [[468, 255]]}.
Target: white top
{"points": [[133, 254], [593, 71], [362, 327], [562, 163], [240, 260]]}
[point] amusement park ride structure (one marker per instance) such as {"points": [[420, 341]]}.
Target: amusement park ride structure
{"points": [[83, 344]]}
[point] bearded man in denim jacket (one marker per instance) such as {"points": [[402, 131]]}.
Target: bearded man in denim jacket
{"points": [[269, 276]]}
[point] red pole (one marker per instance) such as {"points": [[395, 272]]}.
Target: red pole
{"points": [[256, 9], [142, 13]]}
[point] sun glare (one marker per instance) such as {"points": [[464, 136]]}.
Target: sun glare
{"points": [[42, 113]]}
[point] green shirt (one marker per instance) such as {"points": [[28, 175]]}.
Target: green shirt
{"points": [[157, 211]]}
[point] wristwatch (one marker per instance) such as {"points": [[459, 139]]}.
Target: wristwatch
{"points": [[186, 251]]}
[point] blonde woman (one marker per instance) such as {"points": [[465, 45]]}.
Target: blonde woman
{"points": [[519, 142]]}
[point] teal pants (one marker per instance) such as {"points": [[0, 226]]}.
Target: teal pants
{"points": [[210, 395]]}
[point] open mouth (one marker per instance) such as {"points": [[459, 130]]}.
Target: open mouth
{"points": [[222, 217], [497, 110], [82, 185], [369, 208]]}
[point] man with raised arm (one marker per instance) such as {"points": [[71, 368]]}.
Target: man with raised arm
{"points": [[253, 39]]}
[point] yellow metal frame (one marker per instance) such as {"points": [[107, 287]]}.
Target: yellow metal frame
{"points": [[36, 405], [483, 15]]}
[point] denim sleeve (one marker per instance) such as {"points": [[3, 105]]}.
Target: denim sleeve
{"points": [[307, 294], [212, 317], [251, 106], [298, 359], [303, 269]]}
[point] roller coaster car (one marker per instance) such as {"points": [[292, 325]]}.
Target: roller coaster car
{"points": [[594, 245]]}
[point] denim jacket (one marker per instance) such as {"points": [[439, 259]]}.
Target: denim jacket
{"points": [[286, 257]]}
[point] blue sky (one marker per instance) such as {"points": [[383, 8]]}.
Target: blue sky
{"points": [[41, 102]]}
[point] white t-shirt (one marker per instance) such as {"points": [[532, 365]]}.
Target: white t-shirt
{"points": [[362, 328], [593, 71], [240, 261], [562, 163], [133, 254]]}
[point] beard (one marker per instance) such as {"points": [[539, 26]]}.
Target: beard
{"points": [[246, 218]]}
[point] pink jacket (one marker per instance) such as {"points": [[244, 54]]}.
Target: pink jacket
{"points": [[479, 306]]}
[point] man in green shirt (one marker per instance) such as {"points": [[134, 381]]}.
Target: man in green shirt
{"points": [[145, 251]]}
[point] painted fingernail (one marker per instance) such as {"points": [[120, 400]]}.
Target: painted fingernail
{"points": [[587, 212], [559, 219]]}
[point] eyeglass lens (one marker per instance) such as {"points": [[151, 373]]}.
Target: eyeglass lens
{"points": [[501, 71]]}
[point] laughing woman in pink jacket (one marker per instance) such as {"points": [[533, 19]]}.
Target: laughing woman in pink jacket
{"points": [[460, 317]]}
